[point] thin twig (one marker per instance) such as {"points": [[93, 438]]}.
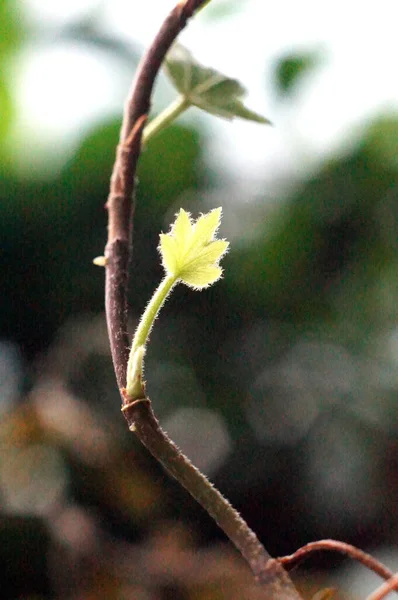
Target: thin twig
{"points": [[367, 560], [139, 414], [385, 588]]}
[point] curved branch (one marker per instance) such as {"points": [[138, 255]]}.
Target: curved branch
{"points": [[367, 560], [266, 570], [139, 414], [120, 202]]}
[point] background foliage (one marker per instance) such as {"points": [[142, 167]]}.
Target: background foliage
{"points": [[281, 382]]}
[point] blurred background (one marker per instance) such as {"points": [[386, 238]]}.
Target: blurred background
{"points": [[281, 382]]}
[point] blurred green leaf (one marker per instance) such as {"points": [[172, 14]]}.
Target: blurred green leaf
{"points": [[172, 167], [331, 252], [220, 10], [381, 141], [207, 88], [89, 33], [291, 69], [6, 109], [10, 37], [10, 27], [92, 163]]}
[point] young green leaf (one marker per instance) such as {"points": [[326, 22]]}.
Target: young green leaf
{"points": [[292, 68], [206, 88], [190, 252], [191, 255]]}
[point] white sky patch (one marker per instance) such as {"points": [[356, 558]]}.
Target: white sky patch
{"points": [[61, 92], [66, 85], [58, 12], [355, 81], [137, 20]]}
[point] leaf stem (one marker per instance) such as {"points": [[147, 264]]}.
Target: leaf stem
{"points": [[151, 311], [134, 386], [166, 117]]}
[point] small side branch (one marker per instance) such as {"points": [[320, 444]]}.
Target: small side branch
{"points": [[335, 546]]}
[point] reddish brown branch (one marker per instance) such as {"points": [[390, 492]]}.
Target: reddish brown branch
{"points": [[333, 545], [120, 202], [120, 207], [139, 414]]}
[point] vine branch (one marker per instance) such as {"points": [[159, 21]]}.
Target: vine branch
{"points": [[292, 560], [139, 414], [120, 202]]}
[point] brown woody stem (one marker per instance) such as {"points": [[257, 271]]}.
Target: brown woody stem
{"points": [[267, 571], [140, 417]]}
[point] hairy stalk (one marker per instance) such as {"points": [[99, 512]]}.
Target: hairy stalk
{"points": [[151, 311], [269, 572], [135, 388]]}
